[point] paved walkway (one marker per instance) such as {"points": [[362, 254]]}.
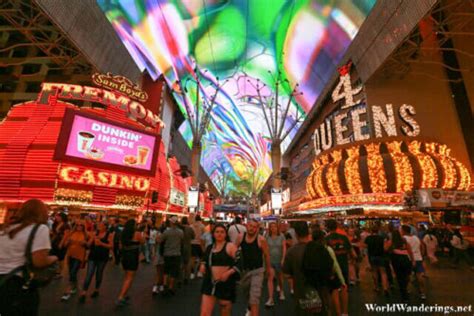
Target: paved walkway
{"points": [[445, 286]]}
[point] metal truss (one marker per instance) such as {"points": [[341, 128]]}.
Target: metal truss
{"points": [[447, 19], [25, 17]]}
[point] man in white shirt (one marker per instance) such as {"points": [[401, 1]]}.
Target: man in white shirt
{"points": [[196, 248], [236, 229], [416, 248]]}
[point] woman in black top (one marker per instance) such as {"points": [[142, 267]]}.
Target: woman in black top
{"points": [[401, 257], [100, 244], [130, 245], [220, 269]]}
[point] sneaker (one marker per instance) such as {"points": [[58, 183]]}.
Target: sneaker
{"points": [[423, 296], [82, 299], [282, 296], [162, 288], [248, 313], [155, 290], [278, 288], [352, 283], [199, 275], [292, 291], [122, 302], [270, 303], [192, 276], [66, 297], [95, 294]]}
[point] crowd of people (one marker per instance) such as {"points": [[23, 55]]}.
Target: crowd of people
{"points": [[316, 262]]}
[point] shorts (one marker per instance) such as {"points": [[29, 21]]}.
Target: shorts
{"points": [[222, 290], [419, 268], [334, 283], [377, 261], [276, 267], [344, 270], [196, 251], [186, 255], [172, 266], [251, 284], [130, 259]]}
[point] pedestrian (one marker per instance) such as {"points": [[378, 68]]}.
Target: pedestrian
{"points": [[254, 249], [460, 248], [221, 270], [188, 236], [277, 250], [100, 243], [172, 240], [160, 263], [61, 228], [118, 227], [236, 229], [206, 238], [416, 249], [196, 248], [15, 299], [402, 259], [309, 298], [377, 259], [431, 244], [130, 243], [152, 237], [76, 244], [342, 248]]}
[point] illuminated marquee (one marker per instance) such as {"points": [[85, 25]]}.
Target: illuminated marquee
{"points": [[101, 178], [138, 112], [121, 84], [356, 121]]}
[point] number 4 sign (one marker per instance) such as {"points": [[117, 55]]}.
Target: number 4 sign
{"points": [[344, 89]]}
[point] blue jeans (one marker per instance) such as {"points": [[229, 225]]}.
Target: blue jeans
{"points": [[74, 266], [97, 267]]}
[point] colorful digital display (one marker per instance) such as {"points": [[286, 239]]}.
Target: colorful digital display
{"points": [[242, 41], [95, 141]]}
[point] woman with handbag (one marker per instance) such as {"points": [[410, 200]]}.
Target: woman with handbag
{"points": [[76, 244], [14, 237], [220, 269], [100, 243]]}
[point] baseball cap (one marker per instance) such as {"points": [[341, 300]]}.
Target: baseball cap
{"points": [[174, 219]]}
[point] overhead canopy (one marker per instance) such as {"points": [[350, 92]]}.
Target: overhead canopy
{"points": [[242, 42]]}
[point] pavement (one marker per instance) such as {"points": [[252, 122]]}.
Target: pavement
{"points": [[445, 286]]}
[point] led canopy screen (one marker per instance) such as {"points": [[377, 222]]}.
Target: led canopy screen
{"points": [[239, 42]]}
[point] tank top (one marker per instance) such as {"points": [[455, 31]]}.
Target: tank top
{"points": [[100, 253], [275, 247], [251, 253], [221, 258]]}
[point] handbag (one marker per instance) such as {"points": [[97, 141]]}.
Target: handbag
{"points": [[36, 277], [311, 301]]}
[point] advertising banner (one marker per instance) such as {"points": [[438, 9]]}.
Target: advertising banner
{"points": [[91, 140]]}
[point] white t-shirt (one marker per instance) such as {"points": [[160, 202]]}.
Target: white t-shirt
{"points": [[152, 237], [12, 251], [198, 229], [235, 230], [415, 246], [430, 241]]}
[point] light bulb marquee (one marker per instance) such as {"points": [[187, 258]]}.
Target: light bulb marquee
{"points": [[367, 155]]}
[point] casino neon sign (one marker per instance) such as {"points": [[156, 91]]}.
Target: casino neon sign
{"points": [[102, 178], [50, 91]]}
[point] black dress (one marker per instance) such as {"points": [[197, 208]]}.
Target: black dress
{"points": [[130, 255]]}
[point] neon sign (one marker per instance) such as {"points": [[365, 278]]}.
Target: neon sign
{"points": [[138, 112], [106, 179], [120, 84]]}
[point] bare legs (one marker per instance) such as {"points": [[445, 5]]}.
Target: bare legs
{"points": [[207, 306], [127, 283]]}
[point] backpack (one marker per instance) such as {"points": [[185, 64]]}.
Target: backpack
{"points": [[317, 264]]}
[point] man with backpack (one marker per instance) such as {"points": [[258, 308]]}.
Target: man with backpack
{"points": [[343, 249], [310, 266]]}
